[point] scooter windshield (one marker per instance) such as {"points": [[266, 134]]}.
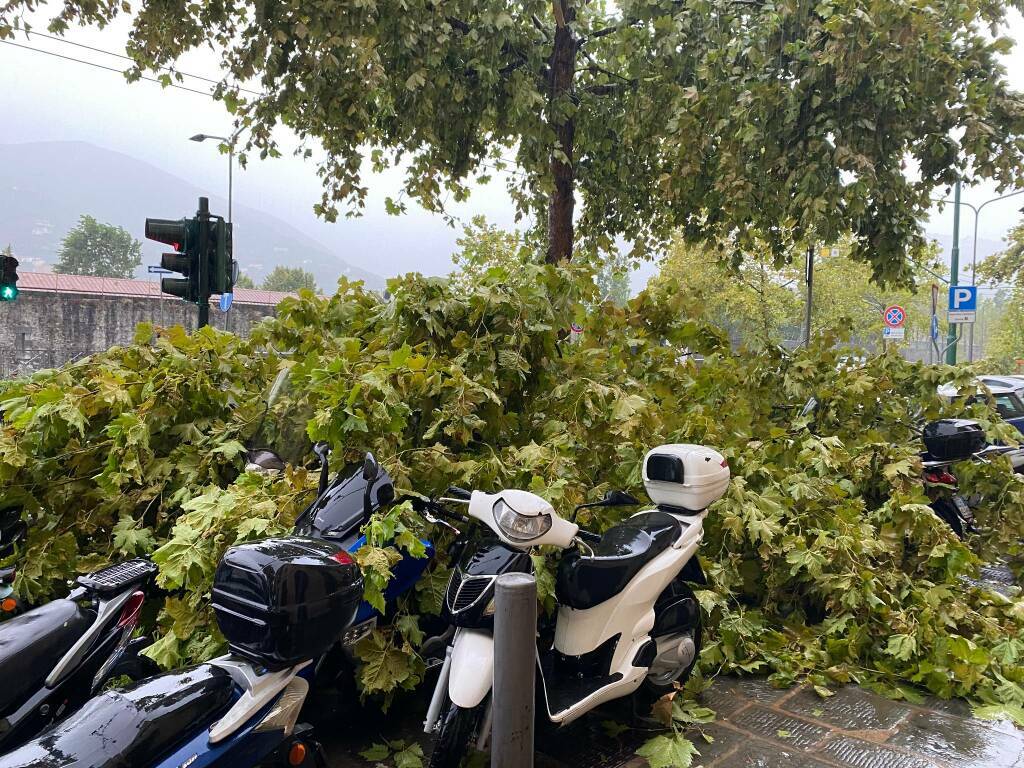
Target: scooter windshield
{"points": [[282, 429]]}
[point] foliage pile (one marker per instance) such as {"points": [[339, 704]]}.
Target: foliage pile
{"points": [[825, 562]]}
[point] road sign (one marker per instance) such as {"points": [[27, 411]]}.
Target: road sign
{"points": [[155, 270], [894, 316], [889, 333], [935, 327], [963, 303], [225, 301]]}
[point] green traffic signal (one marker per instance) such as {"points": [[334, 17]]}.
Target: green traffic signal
{"points": [[8, 277]]}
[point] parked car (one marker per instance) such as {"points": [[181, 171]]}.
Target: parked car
{"points": [[1009, 403], [1000, 380]]}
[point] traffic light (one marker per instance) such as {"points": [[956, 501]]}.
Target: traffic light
{"points": [[202, 254], [8, 277], [222, 263], [182, 236]]}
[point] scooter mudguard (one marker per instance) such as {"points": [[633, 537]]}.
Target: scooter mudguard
{"points": [[132, 726], [472, 670], [32, 643]]}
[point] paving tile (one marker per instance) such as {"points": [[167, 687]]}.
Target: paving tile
{"points": [[851, 708], [857, 753], [724, 697], [774, 725], [724, 740], [751, 688], [760, 754], [954, 740], [999, 573], [957, 707]]}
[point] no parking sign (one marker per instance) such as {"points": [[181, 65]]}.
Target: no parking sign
{"points": [[894, 317]]}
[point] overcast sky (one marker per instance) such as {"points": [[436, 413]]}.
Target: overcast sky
{"points": [[43, 98]]}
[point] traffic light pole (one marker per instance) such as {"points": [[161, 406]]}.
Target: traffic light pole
{"points": [[809, 279], [204, 263], [954, 272]]}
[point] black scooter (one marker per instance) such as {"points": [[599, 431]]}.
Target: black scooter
{"points": [[55, 657]]}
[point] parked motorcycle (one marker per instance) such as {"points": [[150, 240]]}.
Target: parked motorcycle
{"points": [[627, 621], [949, 441], [337, 514], [281, 604], [54, 657]]}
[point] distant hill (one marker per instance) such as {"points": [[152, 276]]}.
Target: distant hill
{"points": [[986, 247], [45, 187]]}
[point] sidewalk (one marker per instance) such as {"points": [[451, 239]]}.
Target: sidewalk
{"points": [[762, 727]]}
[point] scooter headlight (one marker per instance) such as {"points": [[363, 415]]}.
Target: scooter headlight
{"points": [[520, 527]]}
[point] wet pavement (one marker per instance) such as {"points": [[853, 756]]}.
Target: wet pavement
{"points": [[761, 727], [757, 727]]}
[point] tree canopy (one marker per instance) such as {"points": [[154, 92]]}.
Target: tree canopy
{"points": [[758, 302], [1007, 268], [289, 279], [100, 250], [734, 120]]}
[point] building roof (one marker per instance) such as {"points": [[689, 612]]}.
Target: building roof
{"points": [[52, 282]]}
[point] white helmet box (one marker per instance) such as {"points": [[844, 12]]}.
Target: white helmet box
{"points": [[684, 476]]}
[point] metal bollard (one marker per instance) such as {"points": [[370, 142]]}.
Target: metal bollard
{"points": [[515, 659]]}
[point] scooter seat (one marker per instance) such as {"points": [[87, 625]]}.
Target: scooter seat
{"points": [[624, 549], [133, 727], [33, 643]]}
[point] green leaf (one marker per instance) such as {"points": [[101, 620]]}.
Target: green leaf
{"points": [[376, 753], [674, 751]]}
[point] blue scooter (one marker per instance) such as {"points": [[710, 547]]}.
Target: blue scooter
{"points": [[280, 603], [243, 709]]}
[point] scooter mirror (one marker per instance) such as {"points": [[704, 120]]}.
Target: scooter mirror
{"points": [[619, 499], [370, 468], [322, 449]]}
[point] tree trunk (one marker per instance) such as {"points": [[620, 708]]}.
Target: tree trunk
{"points": [[560, 207]]}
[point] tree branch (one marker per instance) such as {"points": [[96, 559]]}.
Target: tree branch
{"points": [[458, 24]]}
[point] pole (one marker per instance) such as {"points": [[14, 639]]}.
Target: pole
{"points": [[231, 173], [954, 270], [204, 262], [974, 281], [809, 279], [515, 649]]}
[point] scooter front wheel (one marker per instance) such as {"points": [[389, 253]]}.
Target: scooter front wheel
{"points": [[457, 729]]}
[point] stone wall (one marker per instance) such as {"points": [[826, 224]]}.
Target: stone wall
{"points": [[43, 329]]}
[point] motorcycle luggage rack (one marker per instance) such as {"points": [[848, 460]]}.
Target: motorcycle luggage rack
{"points": [[119, 576]]}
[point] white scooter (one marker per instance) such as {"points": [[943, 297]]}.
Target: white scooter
{"points": [[627, 621]]}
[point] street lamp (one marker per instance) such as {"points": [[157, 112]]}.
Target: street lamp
{"points": [[231, 158], [974, 259]]}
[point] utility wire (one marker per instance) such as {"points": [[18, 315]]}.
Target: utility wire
{"points": [[101, 66], [129, 58]]}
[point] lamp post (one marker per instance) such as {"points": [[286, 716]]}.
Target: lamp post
{"points": [[230, 141], [974, 257]]}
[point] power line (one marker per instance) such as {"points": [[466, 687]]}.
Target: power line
{"points": [[109, 69], [129, 58]]}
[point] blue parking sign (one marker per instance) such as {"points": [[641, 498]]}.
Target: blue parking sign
{"points": [[963, 298]]}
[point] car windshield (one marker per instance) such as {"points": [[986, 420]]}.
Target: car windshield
{"points": [[1009, 406]]}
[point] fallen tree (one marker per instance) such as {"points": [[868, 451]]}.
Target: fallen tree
{"points": [[825, 562]]}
